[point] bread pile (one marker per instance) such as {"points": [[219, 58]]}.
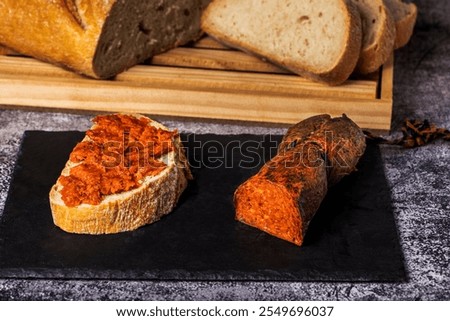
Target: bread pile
{"points": [[324, 40], [127, 172]]}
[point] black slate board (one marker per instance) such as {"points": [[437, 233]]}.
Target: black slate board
{"points": [[353, 237]]}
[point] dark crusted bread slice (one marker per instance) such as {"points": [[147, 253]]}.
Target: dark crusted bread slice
{"points": [[96, 37], [319, 39], [405, 15], [378, 35], [146, 203]]}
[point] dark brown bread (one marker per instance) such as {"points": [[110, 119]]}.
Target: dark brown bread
{"points": [[282, 198], [98, 38]]}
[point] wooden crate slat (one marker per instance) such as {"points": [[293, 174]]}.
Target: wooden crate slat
{"points": [[208, 81]]}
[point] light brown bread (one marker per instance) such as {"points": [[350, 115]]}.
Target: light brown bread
{"points": [[405, 15], [378, 35], [320, 39], [155, 197], [98, 38]]}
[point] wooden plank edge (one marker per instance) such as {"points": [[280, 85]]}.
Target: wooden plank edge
{"points": [[387, 79], [207, 42], [387, 84], [192, 79], [216, 60], [215, 105]]}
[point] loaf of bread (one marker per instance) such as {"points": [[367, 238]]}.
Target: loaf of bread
{"points": [[127, 172], [405, 15], [378, 35], [320, 39], [98, 38], [283, 197]]}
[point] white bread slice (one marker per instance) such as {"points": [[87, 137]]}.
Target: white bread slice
{"points": [[126, 211], [405, 15], [378, 35], [318, 39]]}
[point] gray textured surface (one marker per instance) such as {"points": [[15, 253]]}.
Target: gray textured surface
{"points": [[419, 180]]}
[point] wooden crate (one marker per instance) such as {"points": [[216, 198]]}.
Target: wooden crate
{"points": [[204, 80]]}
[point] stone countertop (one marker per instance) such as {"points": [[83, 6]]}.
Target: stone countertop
{"points": [[419, 180]]}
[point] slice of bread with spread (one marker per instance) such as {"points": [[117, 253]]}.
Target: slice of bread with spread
{"points": [[320, 39], [127, 172], [98, 38]]}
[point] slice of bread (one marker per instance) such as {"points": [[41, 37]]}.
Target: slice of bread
{"points": [[154, 196], [320, 39], [405, 15], [378, 35]]}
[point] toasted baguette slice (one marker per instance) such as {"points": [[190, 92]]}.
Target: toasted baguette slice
{"points": [[98, 38], [156, 196], [378, 35], [319, 39], [405, 15]]}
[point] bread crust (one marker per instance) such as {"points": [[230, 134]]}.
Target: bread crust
{"points": [[335, 75], [127, 211], [375, 55], [405, 27]]}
